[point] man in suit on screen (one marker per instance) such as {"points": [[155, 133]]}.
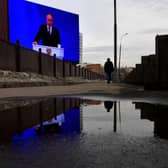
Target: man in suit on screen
{"points": [[48, 33]]}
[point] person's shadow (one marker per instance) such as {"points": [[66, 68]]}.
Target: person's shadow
{"points": [[108, 105]]}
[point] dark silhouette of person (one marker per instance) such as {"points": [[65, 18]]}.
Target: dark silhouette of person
{"points": [[108, 69], [48, 33], [108, 105]]}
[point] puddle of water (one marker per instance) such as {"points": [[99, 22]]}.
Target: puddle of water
{"points": [[118, 117], [71, 116]]}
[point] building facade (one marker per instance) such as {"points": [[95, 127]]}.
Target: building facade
{"points": [[97, 68]]}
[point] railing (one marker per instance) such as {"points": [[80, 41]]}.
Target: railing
{"points": [[16, 58]]}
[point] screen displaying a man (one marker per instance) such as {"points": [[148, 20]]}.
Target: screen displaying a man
{"points": [[48, 33]]}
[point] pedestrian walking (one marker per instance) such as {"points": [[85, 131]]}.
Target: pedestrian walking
{"points": [[108, 69]]}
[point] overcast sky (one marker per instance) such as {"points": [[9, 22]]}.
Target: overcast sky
{"points": [[142, 19]]}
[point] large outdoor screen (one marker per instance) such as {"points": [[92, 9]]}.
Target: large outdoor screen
{"points": [[26, 17]]}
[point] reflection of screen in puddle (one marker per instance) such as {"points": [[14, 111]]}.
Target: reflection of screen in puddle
{"points": [[60, 119]]}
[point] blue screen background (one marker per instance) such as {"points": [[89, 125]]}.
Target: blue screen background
{"points": [[25, 19], [72, 121]]}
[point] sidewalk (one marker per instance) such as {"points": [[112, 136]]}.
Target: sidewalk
{"points": [[121, 91], [87, 88]]}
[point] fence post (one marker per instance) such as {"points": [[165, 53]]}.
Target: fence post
{"points": [[40, 61], [83, 73], [70, 69], [91, 75], [54, 66], [88, 76], [78, 71], [63, 66], [84, 76], [75, 71], [94, 78], [17, 56]]}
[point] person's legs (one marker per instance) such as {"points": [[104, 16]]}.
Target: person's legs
{"points": [[111, 77], [108, 77]]}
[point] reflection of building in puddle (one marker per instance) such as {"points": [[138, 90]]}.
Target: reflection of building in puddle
{"points": [[59, 115], [156, 113]]}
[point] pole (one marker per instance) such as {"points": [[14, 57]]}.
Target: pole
{"points": [[115, 34], [119, 64], [115, 117]]}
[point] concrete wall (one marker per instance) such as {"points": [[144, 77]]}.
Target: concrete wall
{"points": [[73, 70], [146, 73], [47, 65], [7, 56], [59, 68], [139, 74], [29, 61], [162, 55], [16, 58], [4, 20], [78, 71], [67, 69], [151, 72]]}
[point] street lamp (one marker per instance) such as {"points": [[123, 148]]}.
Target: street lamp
{"points": [[119, 64]]}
